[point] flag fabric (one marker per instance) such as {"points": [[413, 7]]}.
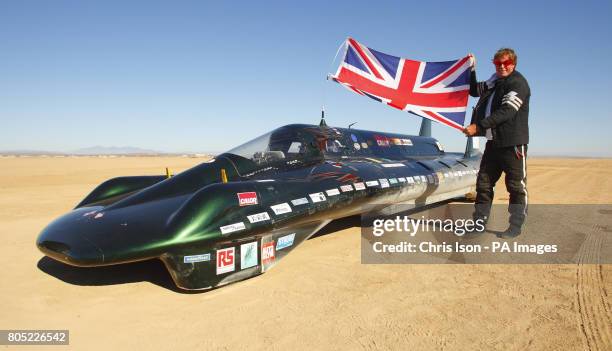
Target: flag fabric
{"points": [[435, 90]]}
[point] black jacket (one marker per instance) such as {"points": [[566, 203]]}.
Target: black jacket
{"points": [[509, 109]]}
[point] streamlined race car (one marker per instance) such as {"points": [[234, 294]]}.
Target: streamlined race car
{"points": [[235, 216]]}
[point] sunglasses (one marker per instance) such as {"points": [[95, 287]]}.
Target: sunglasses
{"points": [[505, 63]]}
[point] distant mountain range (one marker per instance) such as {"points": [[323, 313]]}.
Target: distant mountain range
{"points": [[115, 150]]}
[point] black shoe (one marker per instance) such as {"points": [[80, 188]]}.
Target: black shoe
{"points": [[510, 233]]}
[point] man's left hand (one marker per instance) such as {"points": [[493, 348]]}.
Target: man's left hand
{"points": [[470, 130]]}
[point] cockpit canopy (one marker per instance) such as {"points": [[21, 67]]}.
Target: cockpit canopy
{"points": [[296, 146], [282, 144], [309, 143]]}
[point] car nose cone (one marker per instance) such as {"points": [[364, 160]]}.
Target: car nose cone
{"points": [[69, 246], [77, 251]]}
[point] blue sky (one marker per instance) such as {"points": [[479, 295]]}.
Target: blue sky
{"points": [[206, 76]]}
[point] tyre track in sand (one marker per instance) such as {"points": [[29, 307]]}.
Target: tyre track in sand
{"points": [[593, 309]]}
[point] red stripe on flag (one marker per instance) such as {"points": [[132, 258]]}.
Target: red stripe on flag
{"points": [[446, 74], [443, 120], [355, 90], [365, 58]]}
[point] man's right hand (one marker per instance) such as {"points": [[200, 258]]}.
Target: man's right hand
{"points": [[470, 130]]}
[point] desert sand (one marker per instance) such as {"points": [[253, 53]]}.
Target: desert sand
{"points": [[319, 297]]}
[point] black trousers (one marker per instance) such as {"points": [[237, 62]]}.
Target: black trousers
{"points": [[512, 161]]}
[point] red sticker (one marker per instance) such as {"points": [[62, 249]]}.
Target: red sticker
{"points": [[381, 140], [247, 199], [267, 253], [225, 260]]}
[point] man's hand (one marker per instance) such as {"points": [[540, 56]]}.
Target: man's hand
{"points": [[470, 130], [472, 59]]}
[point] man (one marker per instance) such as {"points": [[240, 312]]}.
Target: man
{"points": [[501, 115]]}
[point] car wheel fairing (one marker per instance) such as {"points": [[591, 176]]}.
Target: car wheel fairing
{"points": [[210, 267]]}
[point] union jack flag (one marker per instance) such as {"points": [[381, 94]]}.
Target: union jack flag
{"points": [[435, 90]]}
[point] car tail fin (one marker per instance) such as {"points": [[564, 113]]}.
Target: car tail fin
{"points": [[472, 147], [425, 128]]}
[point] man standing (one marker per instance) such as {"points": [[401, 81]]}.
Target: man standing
{"points": [[501, 115]]}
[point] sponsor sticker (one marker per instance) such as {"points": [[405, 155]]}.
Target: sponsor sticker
{"points": [[332, 192], [317, 197], [267, 253], [357, 146], [281, 208], [402, 179], [247, 199], [285, 241], [248, 255], [230, 228], [225, 260], [381, 140], [384, 183], [393, 180], [372, 183], [393, 165], [196, 258], [359, 186], [354, 138], [300, 201], [407, 142], [346, 188], [259, 217], [396, 141], [364, 145]]}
